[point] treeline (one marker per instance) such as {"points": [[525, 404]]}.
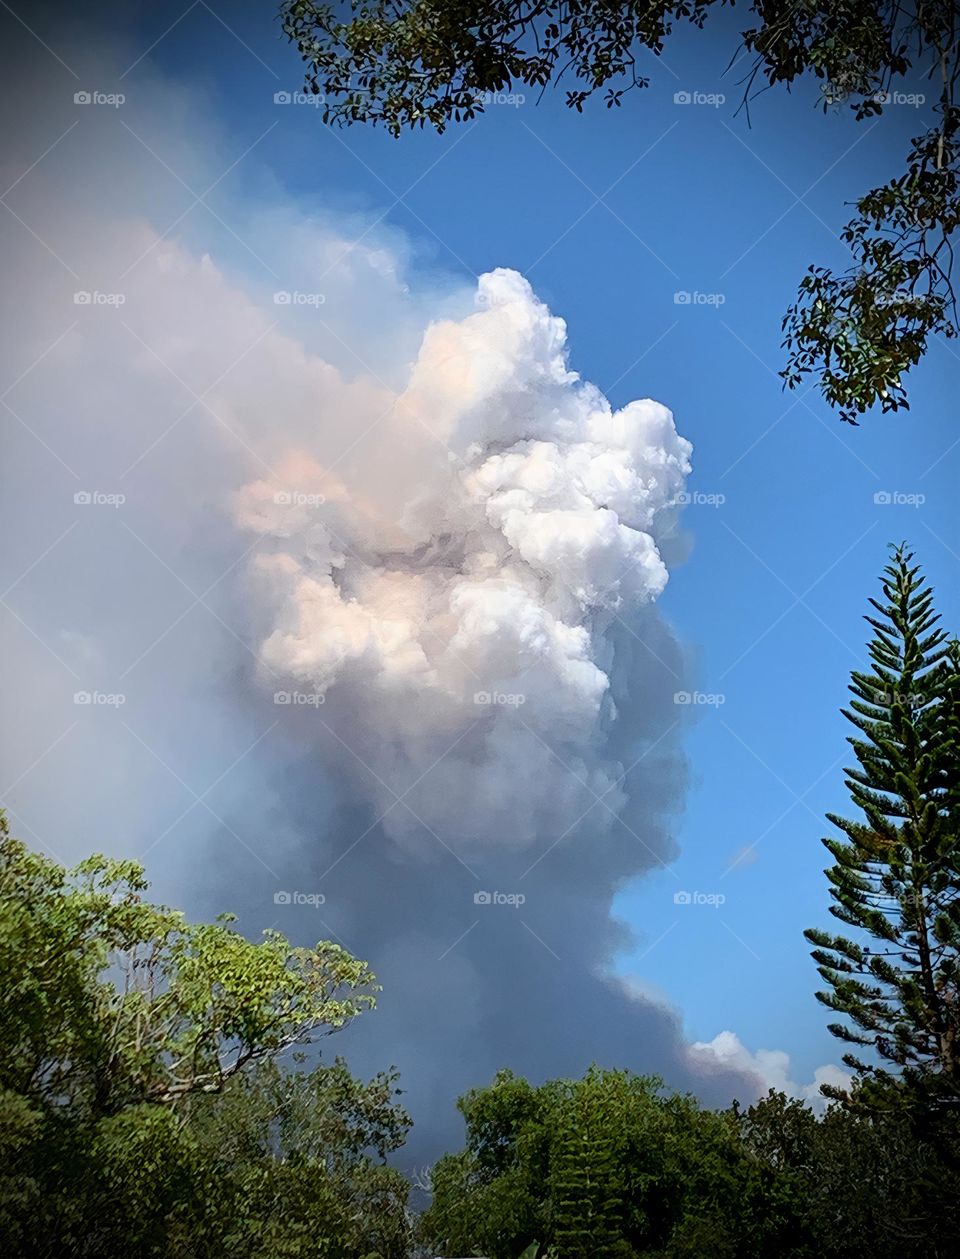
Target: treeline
{"points": [[155, 1100], [610, 1165]]}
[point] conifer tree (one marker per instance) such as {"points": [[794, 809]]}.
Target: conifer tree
{"points": [[587, 1178], [896, 872]]}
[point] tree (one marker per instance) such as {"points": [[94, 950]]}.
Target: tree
{"points": [[895, 877], [607, 1165], [853, 1184], [143, 1110], [302, 1156], [610, 1164], [194, 1003], [588, 1176], [409, 63]]}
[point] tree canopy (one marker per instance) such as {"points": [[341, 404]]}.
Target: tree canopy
{"points": [[611, 1165], [143, 1108]]}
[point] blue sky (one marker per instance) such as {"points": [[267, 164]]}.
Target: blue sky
{"points": [[610, 214]]}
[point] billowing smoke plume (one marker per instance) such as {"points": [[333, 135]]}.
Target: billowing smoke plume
{"points": [[223, 500], [448, 590]]}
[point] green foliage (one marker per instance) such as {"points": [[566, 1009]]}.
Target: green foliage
{"points": [[143, 1111], [411, 63], [296, 1150], [118, 1001], [610, 1166], [402, 64], [602, 1166], [857, 1185], [863, 329], [896, 873]]}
